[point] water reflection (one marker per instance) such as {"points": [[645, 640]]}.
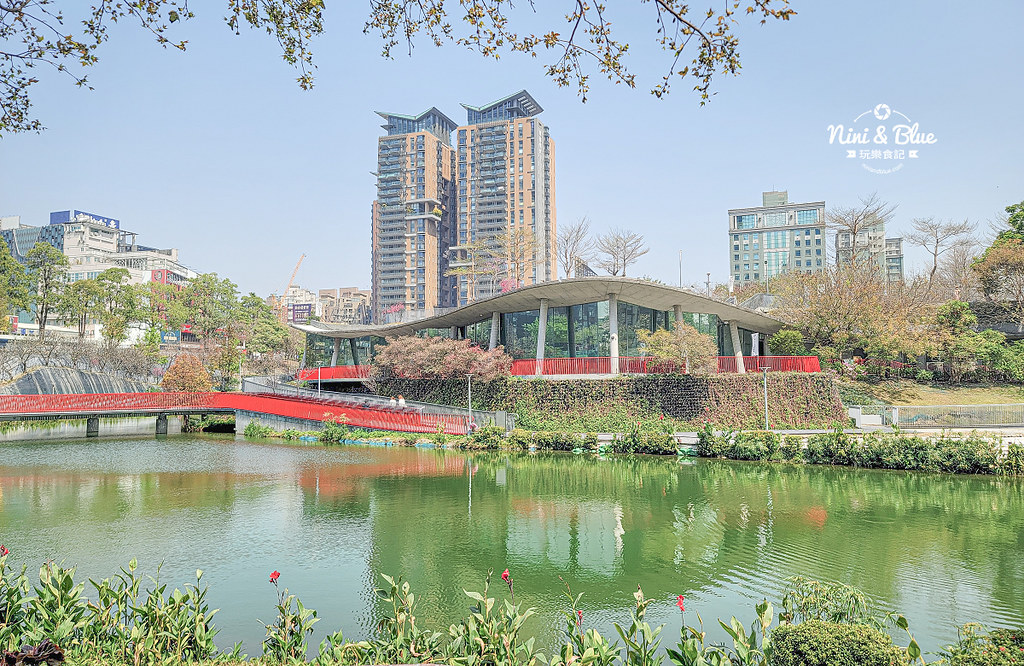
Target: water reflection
{"points": [[942, 549]]}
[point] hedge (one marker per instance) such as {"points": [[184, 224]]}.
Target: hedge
{"points": [[971, 454], [796, 400]]}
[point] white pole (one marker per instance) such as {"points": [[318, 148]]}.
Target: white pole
{"points": [[680, 268], [469, 396], [318, 381], [765, 369]]}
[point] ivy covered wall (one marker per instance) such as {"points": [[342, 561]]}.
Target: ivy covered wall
{"points": [[796, 400]]}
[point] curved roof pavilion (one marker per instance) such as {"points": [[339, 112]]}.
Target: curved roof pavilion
{"points": [[561, 293]]}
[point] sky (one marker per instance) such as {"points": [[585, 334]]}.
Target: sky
{"points": [[216, 151]]}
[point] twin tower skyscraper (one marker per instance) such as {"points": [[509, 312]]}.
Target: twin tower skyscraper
{"points": [[462, 211]]}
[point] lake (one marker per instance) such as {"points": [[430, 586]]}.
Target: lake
{"points": [[943, 550]]}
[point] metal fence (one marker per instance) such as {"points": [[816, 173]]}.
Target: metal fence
{"points": [[279, 385], [946, 416]]}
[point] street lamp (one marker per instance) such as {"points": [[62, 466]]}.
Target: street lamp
{"points": [[680, 268], [708, 283], [764, 369], [469, 397], [766, 289]]}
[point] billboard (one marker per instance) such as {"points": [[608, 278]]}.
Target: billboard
{"points": [[170, 337], [299, 313], [66, 216]]}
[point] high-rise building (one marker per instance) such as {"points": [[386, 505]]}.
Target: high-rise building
{"points": [[412, 215], [776, 237], [894, 259], [871, 246], [506, 198]]}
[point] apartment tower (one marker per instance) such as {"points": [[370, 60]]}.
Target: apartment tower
{"points": [[505, 234], [412, 215]]}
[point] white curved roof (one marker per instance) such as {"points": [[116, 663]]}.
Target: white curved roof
{"points": [[561, 293]]}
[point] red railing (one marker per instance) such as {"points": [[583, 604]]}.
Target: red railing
{"points": [[773, 363], [402, 420], [334, 372], [601, 365]]}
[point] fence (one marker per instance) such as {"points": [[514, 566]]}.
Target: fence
{"points": [[334, 372], [946, 416], [408, 419], [279, 386], [598, 365]]}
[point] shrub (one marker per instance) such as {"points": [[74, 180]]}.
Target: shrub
{"points": [[1002, 647], [256, 430], [440, 358], [924, 376], [817, 643], [187, 374], [833, 448], [1013, 463], [754, 445], [787, 342], [792, 448], [488, 437]]}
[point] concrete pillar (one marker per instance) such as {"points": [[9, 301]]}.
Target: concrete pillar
{"points": [[495, 323], [334, 354], [92, 426], [454, 332], [571, 329], [355, 351], [677, 312], [613, 331], [737, 348], [542, 329], [161, 424]]}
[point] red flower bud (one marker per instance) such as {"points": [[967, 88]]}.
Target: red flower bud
{"points": [[3, 550], [505, 576], [274, 576], [579, 617], [679, 602]]}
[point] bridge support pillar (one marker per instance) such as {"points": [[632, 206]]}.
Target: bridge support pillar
{"points": [[161, 424], [92, 426]]}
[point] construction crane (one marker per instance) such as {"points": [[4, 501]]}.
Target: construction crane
{"points": [[282, 310]]}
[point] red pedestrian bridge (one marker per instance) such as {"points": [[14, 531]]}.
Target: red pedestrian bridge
{"points": [[289, 407]]}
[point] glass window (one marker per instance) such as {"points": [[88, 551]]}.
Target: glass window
{"points": [[798, 253], [748, 221], [590, 328], [775, 219], [807, 216]]}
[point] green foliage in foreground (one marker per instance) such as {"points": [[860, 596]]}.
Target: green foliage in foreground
{"points": [[117, 622], [969, 454]]}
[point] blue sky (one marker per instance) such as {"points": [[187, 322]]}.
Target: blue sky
{"points": [[217, 152]]}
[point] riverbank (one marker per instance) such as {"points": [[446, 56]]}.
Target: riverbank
{"points": [[961, 452]]}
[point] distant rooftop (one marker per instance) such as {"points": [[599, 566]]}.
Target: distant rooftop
{"points": [[517, 105], [432, 120]]}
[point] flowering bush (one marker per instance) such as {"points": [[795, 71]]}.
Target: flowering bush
{"points": [[432, 357]]}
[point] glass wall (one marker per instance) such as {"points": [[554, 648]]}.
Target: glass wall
{"points": [[480, 333], [590, 329], [320, 348], [519, 333]]}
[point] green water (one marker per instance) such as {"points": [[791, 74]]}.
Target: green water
{"points": [[944, 550]]}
